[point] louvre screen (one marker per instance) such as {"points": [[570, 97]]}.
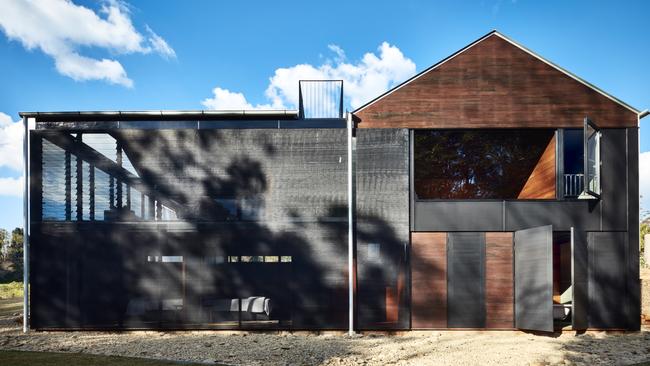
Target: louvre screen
{"points": [[193, 229], [466, 280], [607, 292], [382, 228]]}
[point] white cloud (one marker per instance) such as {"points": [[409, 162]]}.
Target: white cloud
{"points": [[11, 143], [60, 28], [644, 182], [11, 155], [12, 186], [85, 68], [362, 80], [224, 99], [340, 54], [159, 45]]}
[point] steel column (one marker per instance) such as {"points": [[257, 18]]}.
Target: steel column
{"points": [[350, 231], [26, 227]]}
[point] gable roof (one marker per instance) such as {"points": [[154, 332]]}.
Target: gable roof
{"points": [[495, 33]]}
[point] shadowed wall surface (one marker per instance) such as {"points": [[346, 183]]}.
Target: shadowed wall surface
{"points": [[189, 229], [382, 228]]}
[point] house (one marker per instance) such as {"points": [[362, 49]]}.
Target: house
{"points": [[493, 190]]}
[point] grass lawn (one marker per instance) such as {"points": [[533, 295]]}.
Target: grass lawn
{"points": [[8, 307], [21, 358]]}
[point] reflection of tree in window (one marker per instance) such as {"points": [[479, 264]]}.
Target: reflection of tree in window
{"points": [[476, 164]]}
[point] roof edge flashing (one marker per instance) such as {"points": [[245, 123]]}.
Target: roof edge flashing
{"points": [[161, 114]]}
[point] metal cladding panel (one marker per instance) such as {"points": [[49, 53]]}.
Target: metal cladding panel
{"points": [[458, 216], [466, 280], [633, 282], [580, 283], [207, 229], [607, 280], [382, 228], [614, 179], [534, 279], [562, 215], [490, 215]]}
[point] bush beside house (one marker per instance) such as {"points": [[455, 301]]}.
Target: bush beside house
{"points": [[11, 255]]}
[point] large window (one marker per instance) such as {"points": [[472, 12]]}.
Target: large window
{"points": [[484, 164], [582, 161]]}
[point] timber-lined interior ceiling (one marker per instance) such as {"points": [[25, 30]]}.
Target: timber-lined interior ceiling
{"points": [[493, 84]]}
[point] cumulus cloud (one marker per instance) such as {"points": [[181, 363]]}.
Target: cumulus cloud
{"points": [[644, 182], [11, 143], [11, 186], [363, 79], [224, 99], [60, 28], [11, 155]]}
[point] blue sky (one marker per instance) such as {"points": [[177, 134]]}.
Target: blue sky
{"points": [[96, 55]]}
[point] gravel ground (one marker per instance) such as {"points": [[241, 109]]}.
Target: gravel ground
{"points": [[409, 348], [414, 348]]}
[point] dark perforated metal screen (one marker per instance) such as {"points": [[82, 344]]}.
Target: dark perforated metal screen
{"points": [[189, 229], [607, 291], [534, 278], [466, 280], [382, 224]]}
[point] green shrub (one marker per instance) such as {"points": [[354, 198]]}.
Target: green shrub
{"points": [[11, 290]]}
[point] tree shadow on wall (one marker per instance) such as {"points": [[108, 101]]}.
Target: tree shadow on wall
{"points": [[236, 239]]}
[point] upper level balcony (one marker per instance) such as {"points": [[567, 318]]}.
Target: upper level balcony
{"points": [[320, 99]]}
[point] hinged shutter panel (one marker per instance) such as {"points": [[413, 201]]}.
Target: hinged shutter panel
{"points": [[466, 280], [579, 283], [534, 279], [591, 159]]}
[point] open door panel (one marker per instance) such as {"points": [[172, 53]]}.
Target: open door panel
{"points": [[534, 279]]}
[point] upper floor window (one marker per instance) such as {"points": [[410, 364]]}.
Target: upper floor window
{"points": [[582, 160], [485, 164], [573, 159]]}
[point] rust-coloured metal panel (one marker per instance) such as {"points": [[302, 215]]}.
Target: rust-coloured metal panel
{"points": [[499, 300], [541, 182], [428, 280], [493, 84]]}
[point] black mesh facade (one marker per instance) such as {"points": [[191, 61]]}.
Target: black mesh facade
{"points": [[189, 229], [382, 228]]}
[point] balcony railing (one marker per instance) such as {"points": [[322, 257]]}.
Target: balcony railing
{"points": [[574, 184], [320, 99]]}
